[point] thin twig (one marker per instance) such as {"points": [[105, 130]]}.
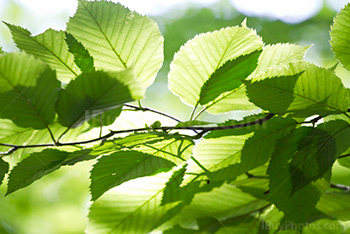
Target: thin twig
{"points": [[112, 133], [341, 187], [344, 156], [151, 110]]}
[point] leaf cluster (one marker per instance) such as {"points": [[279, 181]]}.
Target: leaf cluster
{"points": [[267, 173]]}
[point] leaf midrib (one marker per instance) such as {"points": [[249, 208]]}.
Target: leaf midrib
{"points": [[104, 35]]}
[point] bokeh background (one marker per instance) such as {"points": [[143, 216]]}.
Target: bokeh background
{"points": [[58, 203]]}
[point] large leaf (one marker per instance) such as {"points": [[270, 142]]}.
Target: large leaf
{"points": [[340, 36], [50, 47], [92, 93], [202, 56], [118, 38], [272, 55], [316, 91], [115, 169], [28, 91], [298, 206], [4, 168], [133, 207], [39, 164]]}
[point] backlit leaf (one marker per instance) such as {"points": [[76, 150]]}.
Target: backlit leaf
{"points": [[50, 47], [113, 170], [118, 38]]}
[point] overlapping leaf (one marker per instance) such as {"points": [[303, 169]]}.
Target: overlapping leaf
{"points": [[316, 91], [4, 168], [233, 155], [50, 47], [204, 55], [340, 36], [82, 57], [272, 55], [113, 170], [92, 93], [281, 185], [28, 91], [39, 164], [118, 38]]}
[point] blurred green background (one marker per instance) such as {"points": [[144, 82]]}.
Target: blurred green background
{"points": [[58, 203]]}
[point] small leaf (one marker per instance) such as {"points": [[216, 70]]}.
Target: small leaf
{"points": [[228, 77], [92, 93], [28, 91], [118, 38], [192, 123], [115, 169], [340, 36], [4, 168], [82, 57], [50, 47]]}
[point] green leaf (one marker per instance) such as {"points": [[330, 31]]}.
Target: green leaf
{"points": [[4, 168], [192, 123], [12, 134], [315, 156], [272, 55], [220, 204], [92, 93], [39, 164], [172, 186], [50, 47], [107, 118], [28, 91], [228, 77], [115, 169], [1, 51], [298, 206], [229, 156], [82, 57], [324, 226], [340, 36], [172, 147], [203, 55], [177, 229], [33, 168], [274, 94], [118, 38], [316, 91], [335, 205], [133, 207]]}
